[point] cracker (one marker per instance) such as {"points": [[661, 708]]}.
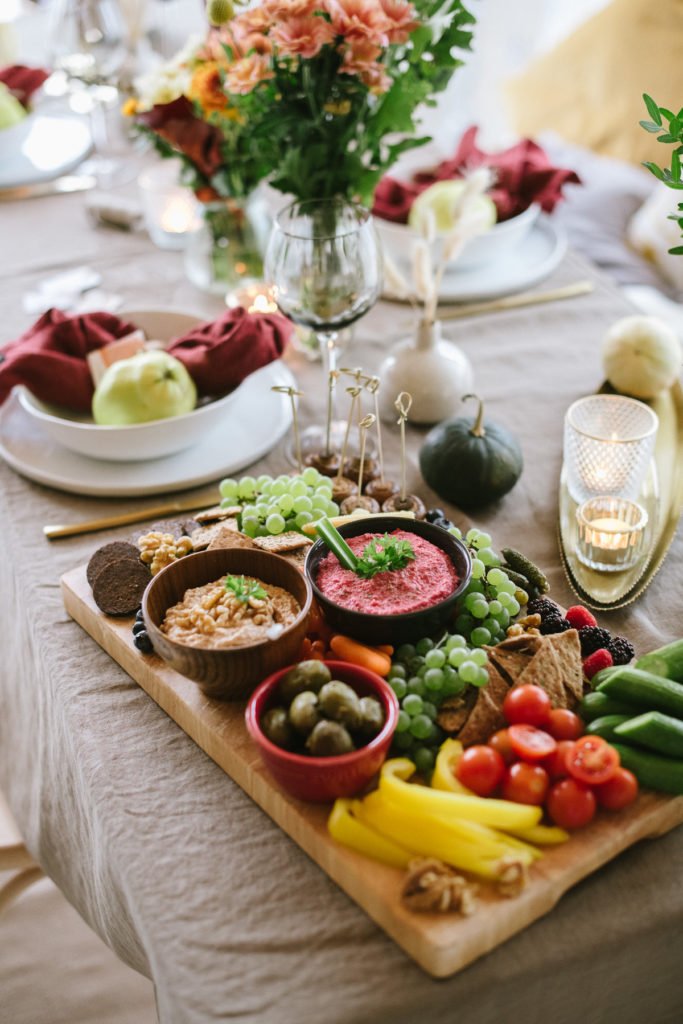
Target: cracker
{"points": [[283, 542], [203, 535], [228, 538], [454, 711], [486, 716], [296, 558], [114, 552], [544, 671], [119, 586], [567, 648], [172, 526], [216, 513]]}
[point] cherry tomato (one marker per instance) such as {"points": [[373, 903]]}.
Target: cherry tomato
{"points": [[556, 764], [527, 705], [620, 791], [593, 761], [529, 743], [500, 741], [564, 724], [526, 784], [481, 769], [570, 804]]}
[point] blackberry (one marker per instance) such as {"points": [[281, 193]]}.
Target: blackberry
{"points": [[553, 624], [544, 607], [593, 638], [435, 513], [621, 649]]}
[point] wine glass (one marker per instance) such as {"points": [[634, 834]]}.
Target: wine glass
{"points": [[324, 262]]}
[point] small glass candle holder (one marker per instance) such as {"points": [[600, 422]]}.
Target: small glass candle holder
{"points": [[255, 297], [171, 210], [611, 533], [609, 441]]}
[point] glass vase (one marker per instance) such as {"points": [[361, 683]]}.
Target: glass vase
{"points": [[226, 251]]}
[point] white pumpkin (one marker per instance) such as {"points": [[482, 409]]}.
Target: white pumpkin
{"points": [[641, 356]]}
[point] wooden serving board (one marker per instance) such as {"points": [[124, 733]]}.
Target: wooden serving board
{"points": [[441, 944]]}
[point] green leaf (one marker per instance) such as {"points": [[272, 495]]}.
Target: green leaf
{"points": [[676, 251], [676, 166], [652, 109], [244, 590], [668, 114], [384, 554], [654, 169], [649, 126], [666, 138]]}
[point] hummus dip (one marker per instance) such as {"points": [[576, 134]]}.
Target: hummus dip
{"points": [[214, 616], [426, 580]]}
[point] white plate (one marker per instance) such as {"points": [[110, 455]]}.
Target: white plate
{"points": [[255, 423], [41, 147], [539, 253]]}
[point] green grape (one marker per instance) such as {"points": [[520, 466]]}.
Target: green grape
{"points": [[332, 508], [489, 557], [261, 509], [479, 657], [420, 727], [262, 531], [246, 487], [397, 672], [507, 601], [456, 532], [399, 686], [472, 601], [481, 636], [457, 656], [471, 536], [319, 504], [503, 618], [413, 704], [298, 488], [422, 672], [435, 658], [495, 608], [228, 488], [482, 676], [478, 568], [323, 492], [286, 503], [455, 640], [303, 518], [275, 523], [475, 587], [424, 645], [453, 685], [424, 759], [492, 625], [464, 624], [513, 607], [435, 735], [416, 686], [483, 540], [227, 502], [277, 488], [415, 664], [496, 577], [430, 710], [507, 587], [481, 610], [433, 679], [250, 528], [311, 476], [403, 721], [263, 481], [403, 741], [521, 596], [468, 671], [302, 503], [405, 652]]}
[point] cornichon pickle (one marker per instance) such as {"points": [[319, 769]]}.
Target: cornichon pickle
{"points": [[520, 563]]}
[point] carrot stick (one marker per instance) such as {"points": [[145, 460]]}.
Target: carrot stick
{"points": [[385, 649], [359, 654]]}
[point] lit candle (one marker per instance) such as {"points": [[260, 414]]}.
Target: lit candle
{"points": [[171, 211], [257, 297], [611, 533], [178, 214]]}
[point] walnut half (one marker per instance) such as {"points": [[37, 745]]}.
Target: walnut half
{"points": [[434, 886]]}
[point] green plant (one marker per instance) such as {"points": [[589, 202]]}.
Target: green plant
{"points": [[672, 135]]}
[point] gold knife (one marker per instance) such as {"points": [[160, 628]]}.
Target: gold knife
{"points": [[59, 186], [55, 532]]}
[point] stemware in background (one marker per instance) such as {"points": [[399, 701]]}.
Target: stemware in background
{"points": [[89, 43], [324, 262]]}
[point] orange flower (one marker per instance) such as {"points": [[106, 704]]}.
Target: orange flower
{"points": [[206, 88], [130, 107], [360, 55], [279, 9], [402, 19], [245, 74], [302, 36], [360, 19], [376, 78]]}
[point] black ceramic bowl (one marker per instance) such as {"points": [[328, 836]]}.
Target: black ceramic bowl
{"points": [[393, 629]]}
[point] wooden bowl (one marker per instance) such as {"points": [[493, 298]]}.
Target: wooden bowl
{"points": [[229, 674]]}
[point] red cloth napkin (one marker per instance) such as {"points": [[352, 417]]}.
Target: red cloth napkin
{"points": [[50, 358], [23, 81], [524, 175], [219, 354]]}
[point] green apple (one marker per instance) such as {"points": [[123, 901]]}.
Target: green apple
{"points": [[11, 110], [148, 386], [441, 198]]}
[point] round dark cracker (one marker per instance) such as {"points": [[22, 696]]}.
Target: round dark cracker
{"points": [[172, 526], [119, 586], [113, 552]]}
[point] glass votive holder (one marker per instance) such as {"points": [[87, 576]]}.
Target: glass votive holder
{"points": [[609, 441], [254, 296], [611, 533], [171, 210]]}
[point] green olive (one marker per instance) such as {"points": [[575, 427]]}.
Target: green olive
{"points": [[341, 703], [307, 675], [303, 712], [373, 716], [276, 727], [329, 739]]}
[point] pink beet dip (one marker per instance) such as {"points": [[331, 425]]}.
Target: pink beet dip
{"points": [[428, 579]]}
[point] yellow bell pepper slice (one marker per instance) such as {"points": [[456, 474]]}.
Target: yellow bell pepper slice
{"points": [[502, 814], [443, 776], [544, 835], [347, 830]]}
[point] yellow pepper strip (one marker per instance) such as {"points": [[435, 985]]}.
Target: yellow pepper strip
{"points": [[347, 830], [501, 814], [443, 777], [544, 835], [430, 837]]}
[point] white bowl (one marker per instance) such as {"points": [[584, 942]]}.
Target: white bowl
{"points": [[397, 240], [139, 441]]}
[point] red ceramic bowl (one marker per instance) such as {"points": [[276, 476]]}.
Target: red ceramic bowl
{"points": [[320, 779]]}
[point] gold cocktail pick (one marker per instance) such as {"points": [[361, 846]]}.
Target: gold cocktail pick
{"points": [[373, 387], [363, 426], [331, 386], [356, 372], [402, 405], [354, 392], [287, 389]]}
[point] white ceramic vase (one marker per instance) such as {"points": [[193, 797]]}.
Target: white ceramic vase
{"points": [[435, 372]]}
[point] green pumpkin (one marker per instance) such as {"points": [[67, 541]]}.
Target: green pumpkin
{"points": [[469, 463]]}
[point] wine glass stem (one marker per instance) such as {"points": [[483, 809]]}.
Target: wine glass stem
{"points": [[328, 349]]}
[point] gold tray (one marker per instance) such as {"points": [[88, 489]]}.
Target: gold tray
{"points": [[663, 498]]}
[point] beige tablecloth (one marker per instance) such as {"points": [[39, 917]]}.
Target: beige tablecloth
{"points": [[166, 857]]}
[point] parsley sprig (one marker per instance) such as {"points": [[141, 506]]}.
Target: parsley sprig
{"points": [[244, 590], [384, 554]]}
